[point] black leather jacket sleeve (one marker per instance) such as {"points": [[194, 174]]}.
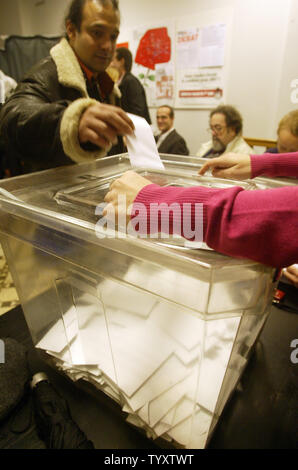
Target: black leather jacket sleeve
{"points": [[30, 120]]}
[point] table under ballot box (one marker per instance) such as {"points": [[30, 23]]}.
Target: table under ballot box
{"points": [[161, 326]]}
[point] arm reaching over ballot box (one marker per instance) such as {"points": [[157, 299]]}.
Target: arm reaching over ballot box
{"points": [[230, 165], [261, 225], [241, 167]]}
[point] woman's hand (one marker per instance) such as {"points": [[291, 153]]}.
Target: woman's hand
{"points": [[123, 191], [291, 273], [231, 165]]}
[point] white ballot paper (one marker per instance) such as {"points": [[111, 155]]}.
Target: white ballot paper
{"points": [[141, 146]]}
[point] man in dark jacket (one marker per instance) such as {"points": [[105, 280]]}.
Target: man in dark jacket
{"points": [[133, 97], [65, 109], [169, 141]]}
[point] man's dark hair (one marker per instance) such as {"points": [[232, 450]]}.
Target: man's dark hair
{"points": [[233, 117], [171, 113], [75, 12], [124, 53]]}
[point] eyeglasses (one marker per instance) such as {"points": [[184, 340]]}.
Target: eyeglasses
{"points": [[217, 129]]}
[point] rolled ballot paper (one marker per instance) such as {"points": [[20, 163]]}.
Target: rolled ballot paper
{"points": [[141, 146]]}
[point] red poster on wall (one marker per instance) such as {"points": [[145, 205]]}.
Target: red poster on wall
{"points": [[153, 61]]}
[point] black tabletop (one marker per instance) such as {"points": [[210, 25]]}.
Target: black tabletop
{"points": [[261, 414]]}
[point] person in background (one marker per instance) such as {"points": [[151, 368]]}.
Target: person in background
{"points": [[7, 85], [287, 134], [261, 225], [133, 96], [168, 140], [66, 109], [225, 125]]}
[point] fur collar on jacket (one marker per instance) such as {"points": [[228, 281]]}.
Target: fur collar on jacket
{"points": [[69, 70]]}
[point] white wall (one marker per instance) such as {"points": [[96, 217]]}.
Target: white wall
{"points": [[259, 39], [134, 12], [263, 56], [43, 16], [289, 65], [10, 17], [263, 60]]}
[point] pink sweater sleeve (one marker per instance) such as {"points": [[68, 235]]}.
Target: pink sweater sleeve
{"points": [[275, 164], [261, 225]]}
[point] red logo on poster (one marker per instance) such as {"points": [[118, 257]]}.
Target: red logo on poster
{"points": [[154, 48]]}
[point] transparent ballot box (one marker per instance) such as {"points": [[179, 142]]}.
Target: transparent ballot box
{"points": [[161, 326]]}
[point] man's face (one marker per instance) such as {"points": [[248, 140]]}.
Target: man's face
{"points": [[164, 121], [287, 142], [221, 134], [95, 43]]}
